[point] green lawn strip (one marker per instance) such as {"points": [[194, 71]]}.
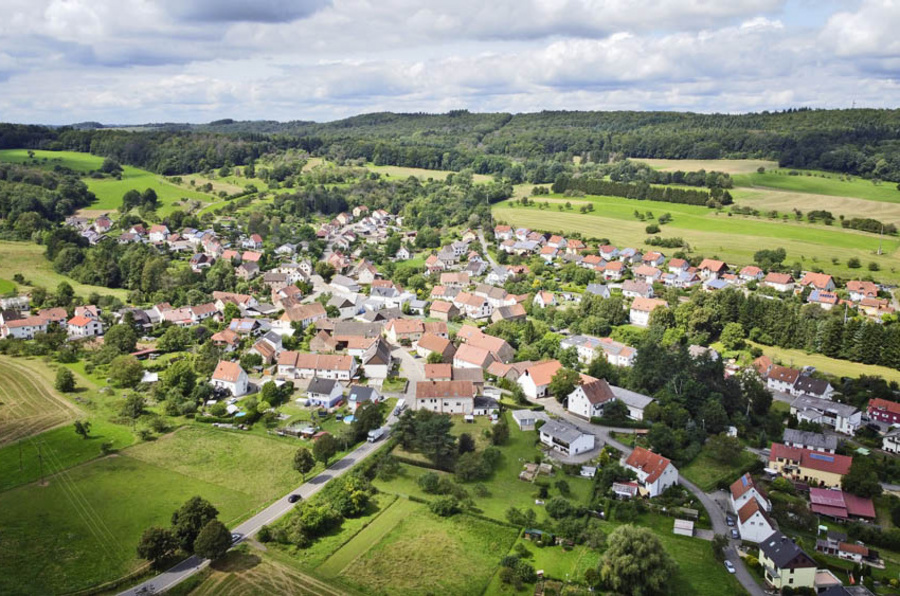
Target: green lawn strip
{"points": [[79, 162], [371, 534], [426, 554], [59, 449], [82, 528], [833, 366], [109, 191], [706, 472], [822, 183], [7, 287]]}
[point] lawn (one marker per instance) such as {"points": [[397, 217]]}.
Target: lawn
{"points": [[7, 287], [82, 528], [831, 366], [426, 554], [29, 404], [27, 259], [711, 233], [821, 183], [728, 166], [402, 173], [555, 562], [706, 472]]}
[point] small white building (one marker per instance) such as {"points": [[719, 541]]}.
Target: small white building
{"points": [[655, 473], [753, 523], [536, 378], [526, 419], [744, 490], [891, 441], [565, 438], [231, 377], [589, 399], [642, 308], [636, 402], [82, 326]]}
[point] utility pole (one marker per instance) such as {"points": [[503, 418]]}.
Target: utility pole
{"points": [[880, 238], [41, 460]]}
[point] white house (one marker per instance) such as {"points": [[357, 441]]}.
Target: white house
{"points": [[294, 365], [588, 399], [231, 377], [753, 523], [24, 328], [843, 418], [536, 378], [641, 309], [655, 473], [376, 360], [324, 392], [635, 402], [81, 326], [744, 490], [360, 394], [891, 441], [565, 438], [446, 397]]}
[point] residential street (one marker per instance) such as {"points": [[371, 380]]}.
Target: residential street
{"points": [[484, 247]]}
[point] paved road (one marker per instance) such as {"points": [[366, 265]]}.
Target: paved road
{"points": [[270, 514], [484, 246]]}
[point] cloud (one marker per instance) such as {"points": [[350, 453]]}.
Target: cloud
{"points": [[870, 31], [257, 11]]}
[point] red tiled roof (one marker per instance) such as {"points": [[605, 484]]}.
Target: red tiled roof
{"points": [[227, 371], [438, 371], [814, 460], [437, 389], [818, 280], [883, 404], [653, 464], [542, 372], [647, 304]]}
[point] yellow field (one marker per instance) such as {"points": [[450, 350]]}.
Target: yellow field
{"points": [[766, 199], [28, 403], [728, 166], [403, 172], [832, 366], [28, 259]]}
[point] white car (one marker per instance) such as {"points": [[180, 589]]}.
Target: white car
{"points": [[729, 566]]}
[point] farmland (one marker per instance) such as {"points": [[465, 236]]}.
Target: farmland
{"points": [[7, 287], [728, 166], [712, 233], [28, 403], [399, 172], [821, 183]]}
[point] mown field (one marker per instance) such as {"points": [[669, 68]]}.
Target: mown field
{"points": [[785, 201], [7, 287], [728, 166], [404, 172], [27, 259], [711, 233], [821, 183]]}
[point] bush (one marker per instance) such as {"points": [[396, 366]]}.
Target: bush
{"points": [[652, 229], [445, 506]]}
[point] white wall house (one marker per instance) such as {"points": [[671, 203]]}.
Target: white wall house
{"points": [[589, 399], [655, 473], [231, 377], [753, 523], [565, 438]]}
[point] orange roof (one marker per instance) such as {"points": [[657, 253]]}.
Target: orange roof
{"points": [[653, 464], [441, 306], [883, 404], [778, 278], [437, 389], [814, 460], [647, 304], [316, 361], [405, 326], [863, 287], [818, 280], [226, 335], [473, 355], [542, 372], [748, 510], [713, 265], [226, 371], [438, 371], [742, 485], [80, 321], [434, 343]]}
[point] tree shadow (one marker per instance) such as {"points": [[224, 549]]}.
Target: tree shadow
{"points": [[236, 562]]}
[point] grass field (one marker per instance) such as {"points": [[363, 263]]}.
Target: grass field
{"points": [[426, 554], [821, 183], [832, 366], [82, 528], [706, 472], [709, 233], [728, 166], [7, 287], [28, 403], [79, 162], [555, 562], [404, 172], [28, 260]]}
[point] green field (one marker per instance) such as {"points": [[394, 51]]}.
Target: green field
{"points": [[555, 562], [7, 287], [832, 366], [711, 233], [706, 472], [426, 554], [728, 166], [27, 259], [821, 183], [401, 172], [109, 191]]}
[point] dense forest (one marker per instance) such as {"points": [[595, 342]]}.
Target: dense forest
{"points": [[522, 147]]}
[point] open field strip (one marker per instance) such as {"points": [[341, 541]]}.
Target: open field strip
{"points": [[404, 172], [728, 166], [785, 201], [28, 403], [821, 183]]}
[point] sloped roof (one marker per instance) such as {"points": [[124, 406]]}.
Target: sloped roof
{"points": [[598, 391], [542, 372], [228, 372], [441, 389], [653, 464]]}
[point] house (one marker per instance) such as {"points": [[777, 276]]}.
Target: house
{"points": [[565, 438], [613, 271], [836, 545], [230, 377], [754, 524], [242, 301], [445, 397], [536, 378], [616, 353], [597, 290], [589, 398], [780, 282], [293, 365], [744, 490], [398, 330], [345, 305], [247, 270], [636, 289], [840, 505], [710, 268], [641, 309], [360, 394], [304, 315], [812, 467], [585, 346], [343, 284], [455, 280], [376, 360], [24, 328], [326, 393], [655, 473], [751, 273], [158, 233], [654, 259], [843, 418], [526, 419], [470, 356], [498, 347], [635, 402], [516, 312], [439, 372], [782, 379], [226, 339], [677, 266], [474, 307], [810, 440], [818, 281], [81, 326], [883, 410], [402, 254], [785, 564], [860, 290], [890, 442], [503, 232], [430, 343], [647, 274]]}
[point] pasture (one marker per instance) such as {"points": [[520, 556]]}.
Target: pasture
{"points": [[29, 405], [712, 233], [27, 259], [7, 287], [426, 554], [821, 183], [784, 201], [728, 166], [831, 366], [401, 172], [79, 162]]}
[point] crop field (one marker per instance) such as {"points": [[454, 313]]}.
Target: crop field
{"points": [[27, 259], [81, 529], [728, 166], [28, 403], [426, 554], [404, 172], [711, 233], [784, 201]]}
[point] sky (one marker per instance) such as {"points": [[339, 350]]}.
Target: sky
{"points": [[139, 61]]}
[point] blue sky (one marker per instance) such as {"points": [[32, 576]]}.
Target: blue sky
{"points": [[136, 61]]}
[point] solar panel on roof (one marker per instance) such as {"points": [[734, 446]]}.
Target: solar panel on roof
{"points": [[821, 457], [744, 480]]}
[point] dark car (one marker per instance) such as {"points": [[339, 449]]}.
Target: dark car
{"points": [[735, 535], [236, 537], [729, 520], [293, 498]]}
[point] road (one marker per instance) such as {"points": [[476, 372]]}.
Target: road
{"points": [[484, 246], [270, 514]]}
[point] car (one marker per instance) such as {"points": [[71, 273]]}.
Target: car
{"points": [[735, 535], [294, 498], [729, 521], [236, 537], [729, 566]]}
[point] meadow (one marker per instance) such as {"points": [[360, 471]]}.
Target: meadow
{"points": [[706, 472], [728, 166], [821, 183], [712, 233], [7, 287], [401, 172]]}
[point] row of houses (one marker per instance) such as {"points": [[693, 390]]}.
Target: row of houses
{"points": [[85, 323]]}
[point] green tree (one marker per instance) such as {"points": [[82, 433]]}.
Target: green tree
{"points": [[732, 336], [636, 563], [157, 545], [563, 383], [325, 270], [862, 479], [500, 432], [175, 339], [368, 416], [213, 541], [125, 371], [304, 462], [231, 311], [121, 339], [83, 428], [190, 519], [324, 448], [65, 380], [133, 406], [724, 449], [180, 375], [465, 443], [435, 358]]}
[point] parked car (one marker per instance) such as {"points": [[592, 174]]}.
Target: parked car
{"points": [[735, 535], [294, 498], [729, 520], [729, 566], [236, 537]]}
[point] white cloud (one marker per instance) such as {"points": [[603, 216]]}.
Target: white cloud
{"points": [[873, 30]]}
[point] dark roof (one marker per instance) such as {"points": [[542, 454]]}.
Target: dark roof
{"points": [[361, 393], [784, 552], [378, 353], [811, 385], [321, 386]]}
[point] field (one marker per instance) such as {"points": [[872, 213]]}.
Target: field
{"points": [[425, 554], [28, 403], [783, 201], [706, 472], [832, 366], [109, 191], [710, 233], [28, 260], [404, 172], [821, 183], [7, 287], [728, 166]]}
